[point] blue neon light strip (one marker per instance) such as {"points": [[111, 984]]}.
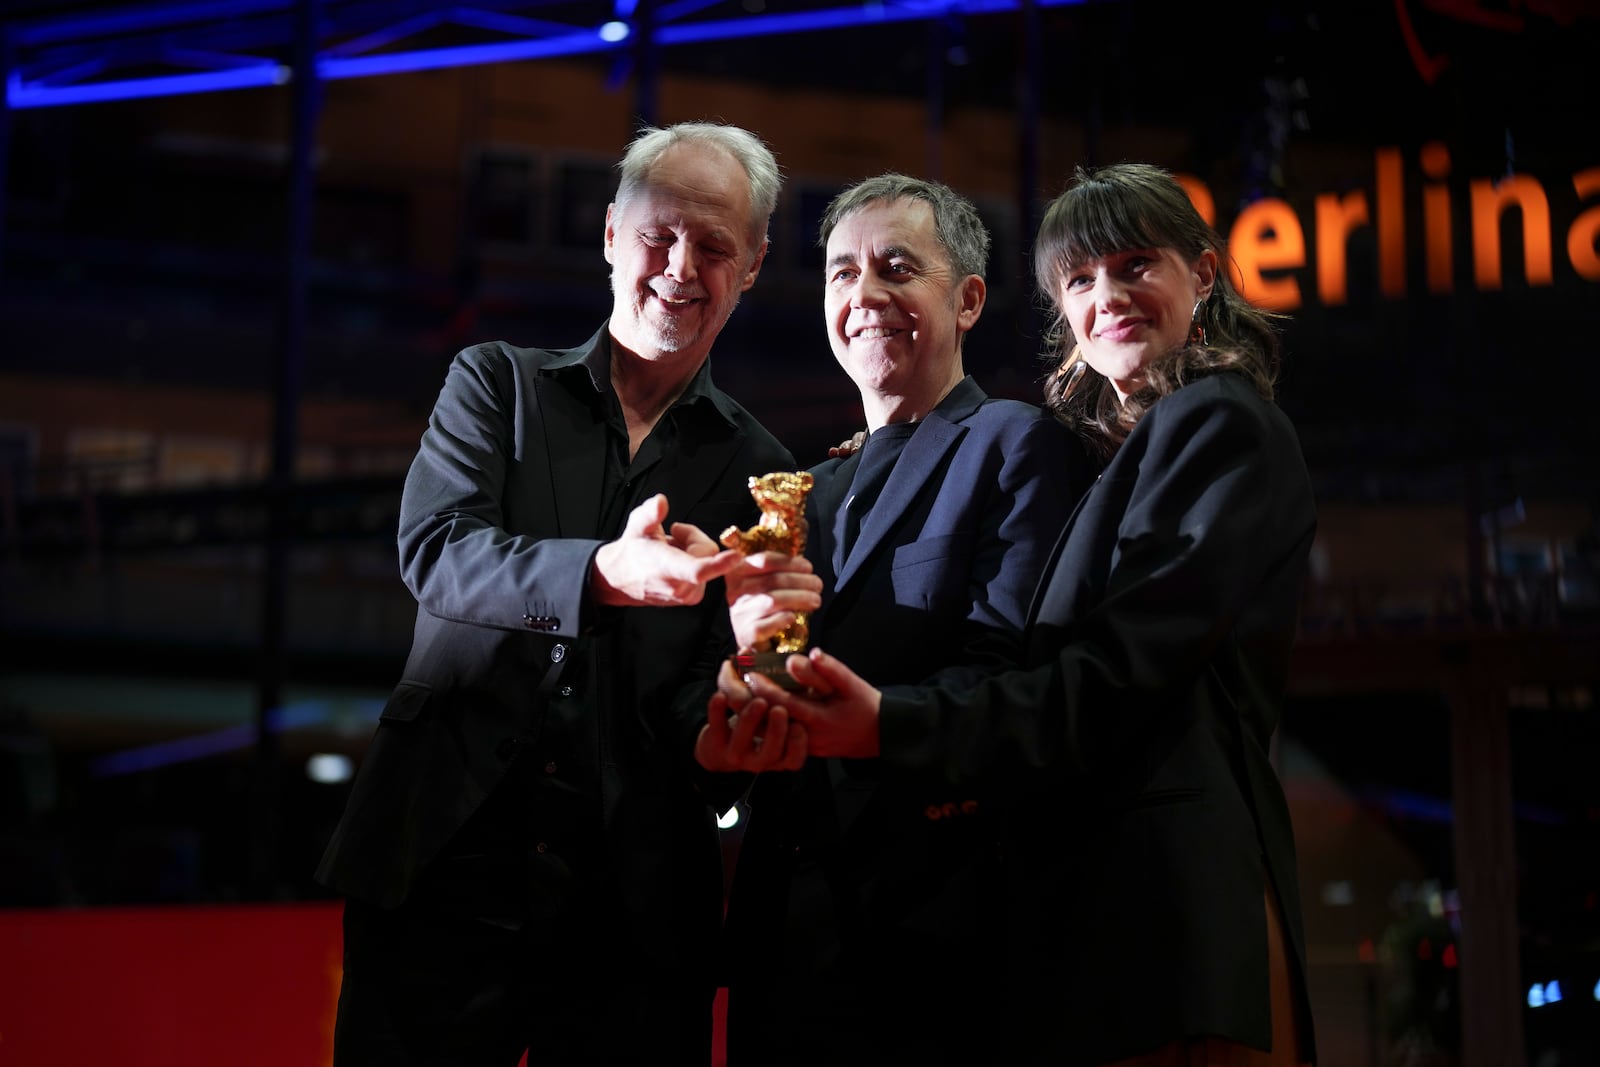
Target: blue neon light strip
{"points": [[572, 44], [199, 746], [1420, 807], [833, 19], [21, 94], [167, 753]]}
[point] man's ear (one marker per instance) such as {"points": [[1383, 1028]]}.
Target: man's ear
{"points": [[611, 235], [970, 297], [755, 266]]}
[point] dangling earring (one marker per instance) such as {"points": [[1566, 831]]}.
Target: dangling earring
{"points": [[1072, 367], [1197, 323]]}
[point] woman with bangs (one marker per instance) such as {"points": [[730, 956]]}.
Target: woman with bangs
{"points": [[1151, 908]]}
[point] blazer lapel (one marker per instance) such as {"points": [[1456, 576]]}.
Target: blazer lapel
{"points": [[1052, 600], [824, 511], [918, 462]]}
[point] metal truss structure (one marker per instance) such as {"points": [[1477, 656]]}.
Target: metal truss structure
{"points": [[195, 46]]}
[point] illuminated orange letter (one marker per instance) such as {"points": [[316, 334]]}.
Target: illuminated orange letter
{"points": [[1583, 239], [1267, 236], [1391, 224], [1489, 201], [1336, 217], [1436, 234]]}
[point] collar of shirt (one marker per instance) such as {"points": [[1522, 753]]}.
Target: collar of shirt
{"points": [[594, 359]]}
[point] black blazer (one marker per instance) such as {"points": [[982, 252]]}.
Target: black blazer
{"points": [[938, 580], [1145, 816], [499, 523]]}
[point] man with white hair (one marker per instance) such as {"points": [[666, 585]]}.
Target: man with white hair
{"points": [[529, 855]]}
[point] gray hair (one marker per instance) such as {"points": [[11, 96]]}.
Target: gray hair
{"points": [[760, 168], [955, 219]]}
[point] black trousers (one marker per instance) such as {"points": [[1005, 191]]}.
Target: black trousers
{"points": [[815, 990], [505, 947]]}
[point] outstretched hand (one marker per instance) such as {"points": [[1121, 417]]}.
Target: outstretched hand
{"points": [[839, 710], [651, 566]]}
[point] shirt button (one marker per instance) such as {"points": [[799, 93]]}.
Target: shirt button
{"points": [[541, 847], [566, 690], [550, 768]]}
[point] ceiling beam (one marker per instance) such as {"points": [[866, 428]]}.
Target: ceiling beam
{"points": [[182, 48]]}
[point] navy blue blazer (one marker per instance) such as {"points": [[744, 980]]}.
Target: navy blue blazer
{"points": [[1145, 819], [499, 522], [937, 584]]}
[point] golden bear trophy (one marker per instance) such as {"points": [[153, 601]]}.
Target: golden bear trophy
{"points": [[781, 496]]}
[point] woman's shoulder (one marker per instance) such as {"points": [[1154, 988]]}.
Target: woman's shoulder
{"points": [[1217, 408], [1222, 386], [1223, 394]]}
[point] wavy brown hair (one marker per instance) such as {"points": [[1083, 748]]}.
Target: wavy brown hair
{"points": [[1113, 209]]}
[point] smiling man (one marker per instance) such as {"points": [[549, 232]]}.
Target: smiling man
{"points": [[861, 920], [528, 857]]}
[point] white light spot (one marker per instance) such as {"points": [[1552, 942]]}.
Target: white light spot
{"points": [[329, 768]]}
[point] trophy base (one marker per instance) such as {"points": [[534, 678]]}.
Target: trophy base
{"points": [[769, 665]]}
